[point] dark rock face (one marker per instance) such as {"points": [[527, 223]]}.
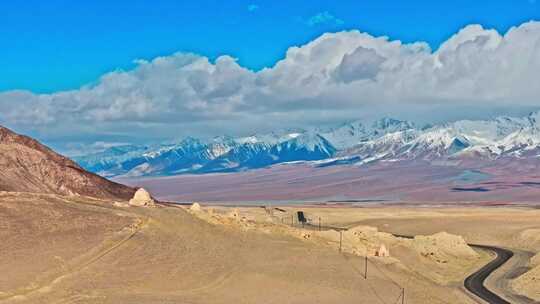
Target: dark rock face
{"points": [[28, 166]]}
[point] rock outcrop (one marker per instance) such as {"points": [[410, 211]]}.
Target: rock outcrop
{"points": [[142, 199], [382, 252], [195, 207], [28, 166], [443, 247]]}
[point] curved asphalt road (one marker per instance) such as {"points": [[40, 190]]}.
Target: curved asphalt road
{"points": [[475, 282]]}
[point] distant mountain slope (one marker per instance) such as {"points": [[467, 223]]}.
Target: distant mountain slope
{"points": [[28, 166], [358, 143]]}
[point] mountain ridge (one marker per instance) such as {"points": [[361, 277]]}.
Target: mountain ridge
{"points": [[357, 142], [28, 166]]}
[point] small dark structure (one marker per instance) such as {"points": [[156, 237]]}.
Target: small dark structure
{"points": [[301, 217]]}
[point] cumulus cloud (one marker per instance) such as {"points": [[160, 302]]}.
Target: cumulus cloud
{"points": [[336, 77], [362, 63], [324, 18]]}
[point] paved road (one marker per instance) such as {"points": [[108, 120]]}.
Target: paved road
{"points": [[475, 282]]}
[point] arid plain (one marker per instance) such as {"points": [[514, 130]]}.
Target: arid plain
{"points": [[83, 250]]}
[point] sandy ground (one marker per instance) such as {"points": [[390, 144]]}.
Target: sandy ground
{"points": [[65, 250], [513, 228]]}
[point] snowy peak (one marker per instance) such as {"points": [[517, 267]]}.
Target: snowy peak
{"points": [[520, 141], [534, 119], [357, 142], [355, 133], [487, 131], [389, 125], [271, 138], [309, 143]]}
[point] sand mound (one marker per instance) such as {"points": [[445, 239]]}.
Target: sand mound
{"points": [[196, 207], [141, 199], [535, 260], [528, 284], [443, 247], [442, 258], [367, 240], [234, 214], [530, 238], [360, 240], [121, 204], [382, 251], [231, 219]]}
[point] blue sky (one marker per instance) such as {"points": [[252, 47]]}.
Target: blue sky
{"points": [[48, 46], [98, 73]]}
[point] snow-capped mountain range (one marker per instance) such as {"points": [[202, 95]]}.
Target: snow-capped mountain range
{"points": [[356, 143]]}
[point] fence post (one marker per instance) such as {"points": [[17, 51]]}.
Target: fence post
{"points": [[340, 239], [319, 223], [365, 267]]}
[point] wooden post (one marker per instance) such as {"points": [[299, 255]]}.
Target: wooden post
{"points": [[403, 295], [292, 220], [365, 267], [319, 223], [340, 239]]}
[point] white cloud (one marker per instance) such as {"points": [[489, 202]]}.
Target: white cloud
{"points": [[335, 77], [362, 63], [324, 18], [78, 149]]}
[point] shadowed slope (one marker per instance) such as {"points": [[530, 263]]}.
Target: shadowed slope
{"points": [[28, 166]]}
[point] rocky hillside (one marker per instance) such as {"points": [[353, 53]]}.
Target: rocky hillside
{"points": [[28, 166]]}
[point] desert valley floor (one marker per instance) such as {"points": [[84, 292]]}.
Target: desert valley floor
{"points": [[58, 249]]}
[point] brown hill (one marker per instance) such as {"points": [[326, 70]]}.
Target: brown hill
{"points": [[28, 166]]}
